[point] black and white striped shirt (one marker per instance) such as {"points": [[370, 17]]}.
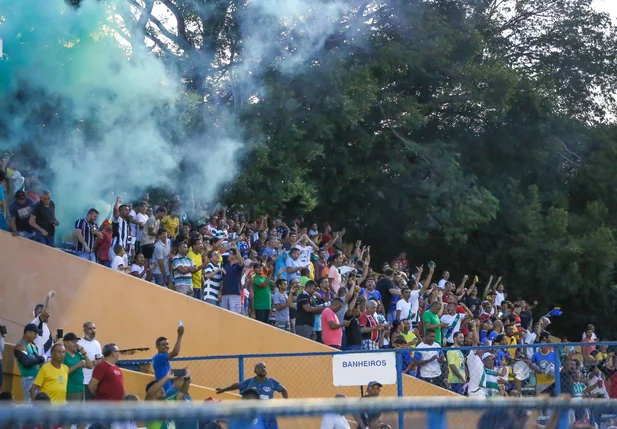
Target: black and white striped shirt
{"points": [[86, 231], [120, 234]]}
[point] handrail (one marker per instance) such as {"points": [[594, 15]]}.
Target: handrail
{"points": [[330, 353]]}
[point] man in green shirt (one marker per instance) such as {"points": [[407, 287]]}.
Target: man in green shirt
{"points": [[262, 298], [431, 321], [76, 359]]}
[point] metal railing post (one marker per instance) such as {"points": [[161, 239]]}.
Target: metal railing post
{"points": [[557, 364], [436, 419], [241, 369], [399, 386]]}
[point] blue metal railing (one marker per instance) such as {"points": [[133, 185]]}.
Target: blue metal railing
{"points": [[557, 347], [436, 410]]}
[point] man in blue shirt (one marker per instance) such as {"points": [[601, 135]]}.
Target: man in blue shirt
{"points": [[160, 361], [264, 386], [231, 287]]}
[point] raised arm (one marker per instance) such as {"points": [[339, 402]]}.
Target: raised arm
{"points": [[176, 350], [487, 288]]}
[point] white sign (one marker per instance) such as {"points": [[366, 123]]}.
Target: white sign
{"points": [[358, 369]]}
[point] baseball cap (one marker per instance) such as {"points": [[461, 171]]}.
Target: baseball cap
{"points": [[71, 337], [487, 355], [31, 327], [374, 383], [20, 194]]}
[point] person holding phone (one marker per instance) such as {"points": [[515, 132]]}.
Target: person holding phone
{"points": [[160, 361]]}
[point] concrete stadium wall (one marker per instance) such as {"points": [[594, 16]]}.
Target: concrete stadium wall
{"points": [[133, 313]]}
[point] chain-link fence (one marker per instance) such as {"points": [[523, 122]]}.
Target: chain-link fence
{"points": [[378, 413], [579, 369]]}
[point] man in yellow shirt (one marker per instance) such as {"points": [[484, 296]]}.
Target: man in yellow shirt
{"points": [[53, 377], [195, 249], [457, 377], [171, 223], [407, 333]]}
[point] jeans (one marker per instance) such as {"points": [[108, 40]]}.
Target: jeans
{"points": [[158, 279], [106, 264], [212, 301], [26, 384], [196, 293], [88, 256], [25, 234], [457, 388], [48, 241]]}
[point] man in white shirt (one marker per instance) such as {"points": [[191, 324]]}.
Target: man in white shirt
{"points": [[44, 340], [160, 260], [94, 352], [444, 280], [404, 307], [335, 421], [306, 247], [430, 361], [454, 319], [140, 225]]}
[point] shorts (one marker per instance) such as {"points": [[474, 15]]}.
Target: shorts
{"points": [[185, 289], [306, 331], [232, 303], [282, 325], [75, 396], [147, 250]]}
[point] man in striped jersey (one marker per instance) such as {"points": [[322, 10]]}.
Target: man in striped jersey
{"points": [[213, 276], [120, 234], [183, 269], [491, 378], [86, 232]]}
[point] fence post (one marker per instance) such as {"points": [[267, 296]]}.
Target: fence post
{"points": [[399, 387], [436, 420], [557, 363], [241, 369]]}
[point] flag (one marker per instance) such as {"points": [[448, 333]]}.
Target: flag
{"points": [[556, 311]]}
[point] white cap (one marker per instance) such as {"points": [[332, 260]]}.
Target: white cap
{"points": [[487, 355]]}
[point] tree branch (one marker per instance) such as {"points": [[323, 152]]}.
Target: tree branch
{"points": [[179, 18], [182, 43]]}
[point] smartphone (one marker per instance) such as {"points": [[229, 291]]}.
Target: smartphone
{"points": [[3, 330], [179, 323], [98, 357], [178, 373], [60, 333]]}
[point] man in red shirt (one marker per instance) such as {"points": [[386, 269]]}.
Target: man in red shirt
{"points": [[107, 382], [102, 244]]}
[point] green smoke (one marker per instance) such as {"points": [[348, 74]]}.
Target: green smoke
{"points": [[97, 112]]}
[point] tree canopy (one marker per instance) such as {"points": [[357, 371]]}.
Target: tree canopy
{"points": [[476, 133]]}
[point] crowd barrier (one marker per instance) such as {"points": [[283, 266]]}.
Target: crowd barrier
{"points": [[430, 413], [222, 371]]}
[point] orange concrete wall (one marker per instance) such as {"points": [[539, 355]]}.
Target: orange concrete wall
{"points": [[133, 313]]}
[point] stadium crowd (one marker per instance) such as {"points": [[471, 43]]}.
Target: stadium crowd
{"points": [[304, 279]]}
